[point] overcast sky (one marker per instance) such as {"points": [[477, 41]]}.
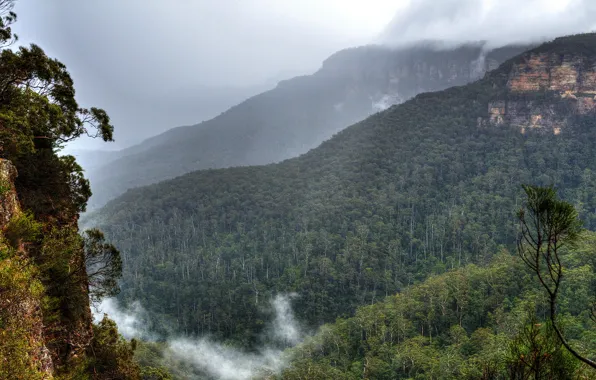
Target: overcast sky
{"points": [[497, 21], [152, 64], [126, 55]]}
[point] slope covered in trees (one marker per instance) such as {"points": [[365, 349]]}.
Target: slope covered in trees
{"points": [[471, 323], [421, 188], [298, 114]]}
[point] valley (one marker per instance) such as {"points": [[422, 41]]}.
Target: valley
{"points": [[421, 206]]}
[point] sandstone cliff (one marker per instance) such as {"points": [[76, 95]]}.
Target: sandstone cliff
{"points": [[545, 90]]}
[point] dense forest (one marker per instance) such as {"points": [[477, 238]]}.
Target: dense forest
{"points": [[474, 322], [471, 323], [417, 190], [503, 320]]}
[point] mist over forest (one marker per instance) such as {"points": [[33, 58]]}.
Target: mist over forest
{"points": [[313, 189]]}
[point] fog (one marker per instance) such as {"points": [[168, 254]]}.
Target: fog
{"points": [[206, 355], [129, 320], [499, 22], [155, 65]]}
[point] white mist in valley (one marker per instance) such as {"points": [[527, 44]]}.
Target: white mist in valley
{"points": [[128, 320], [219, 361]]}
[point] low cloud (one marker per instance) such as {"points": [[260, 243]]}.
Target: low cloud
{"points": [[207, 356], [499, 22], [224, 362], [129, 320]]}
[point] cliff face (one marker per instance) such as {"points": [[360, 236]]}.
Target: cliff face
{"points": [[566, 74], [566, 84], [9, 204], [392, 76], [20, 304]]}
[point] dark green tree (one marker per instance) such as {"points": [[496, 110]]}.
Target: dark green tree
{"points": [[103, 266], [548, 225], [111, 356], [536, 353]]}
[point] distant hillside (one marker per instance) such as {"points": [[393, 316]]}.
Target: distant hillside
{"points": [[420, 188], [297, 115], [156, 114]]}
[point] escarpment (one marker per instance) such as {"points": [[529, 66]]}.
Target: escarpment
{"points": [[546, 90]]}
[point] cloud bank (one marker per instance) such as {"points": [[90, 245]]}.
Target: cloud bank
{"points": [[206, 356], [498, 21], [129, 320]]}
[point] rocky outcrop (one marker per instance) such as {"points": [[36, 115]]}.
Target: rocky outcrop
{"points": [[19, 301], [568, 79], [527, 115], [567, 74], [9, 204]]}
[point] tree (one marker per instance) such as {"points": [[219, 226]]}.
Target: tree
{"points": [[536, 353], [46, 266], [103, 265], [548, 225], [110, 355], [38, 115], [7, 18]]}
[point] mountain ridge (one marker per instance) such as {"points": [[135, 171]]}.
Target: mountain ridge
{"points": [[298, 113]]}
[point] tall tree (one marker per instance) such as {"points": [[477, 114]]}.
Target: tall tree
{"points": [[103, 266], [548, 225]]}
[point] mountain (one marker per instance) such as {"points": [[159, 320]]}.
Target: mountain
{"points": [[91, 159], [180, 107], [419, 188], [298, 114]]}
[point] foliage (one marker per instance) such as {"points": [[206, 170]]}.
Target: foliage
{"points": [[110, 355], [22, 229], [45, 319], [155, 361], [102, 265], [18, 286], [469, 323], [536, 353], [149, 373], [4, 188]]}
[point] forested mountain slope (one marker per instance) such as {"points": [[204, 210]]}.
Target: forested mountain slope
{"points": [[422, 187], [298, 114], [470, 323]]}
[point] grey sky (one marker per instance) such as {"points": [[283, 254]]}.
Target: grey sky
{"points": [[158, 64], [133, 56]]}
